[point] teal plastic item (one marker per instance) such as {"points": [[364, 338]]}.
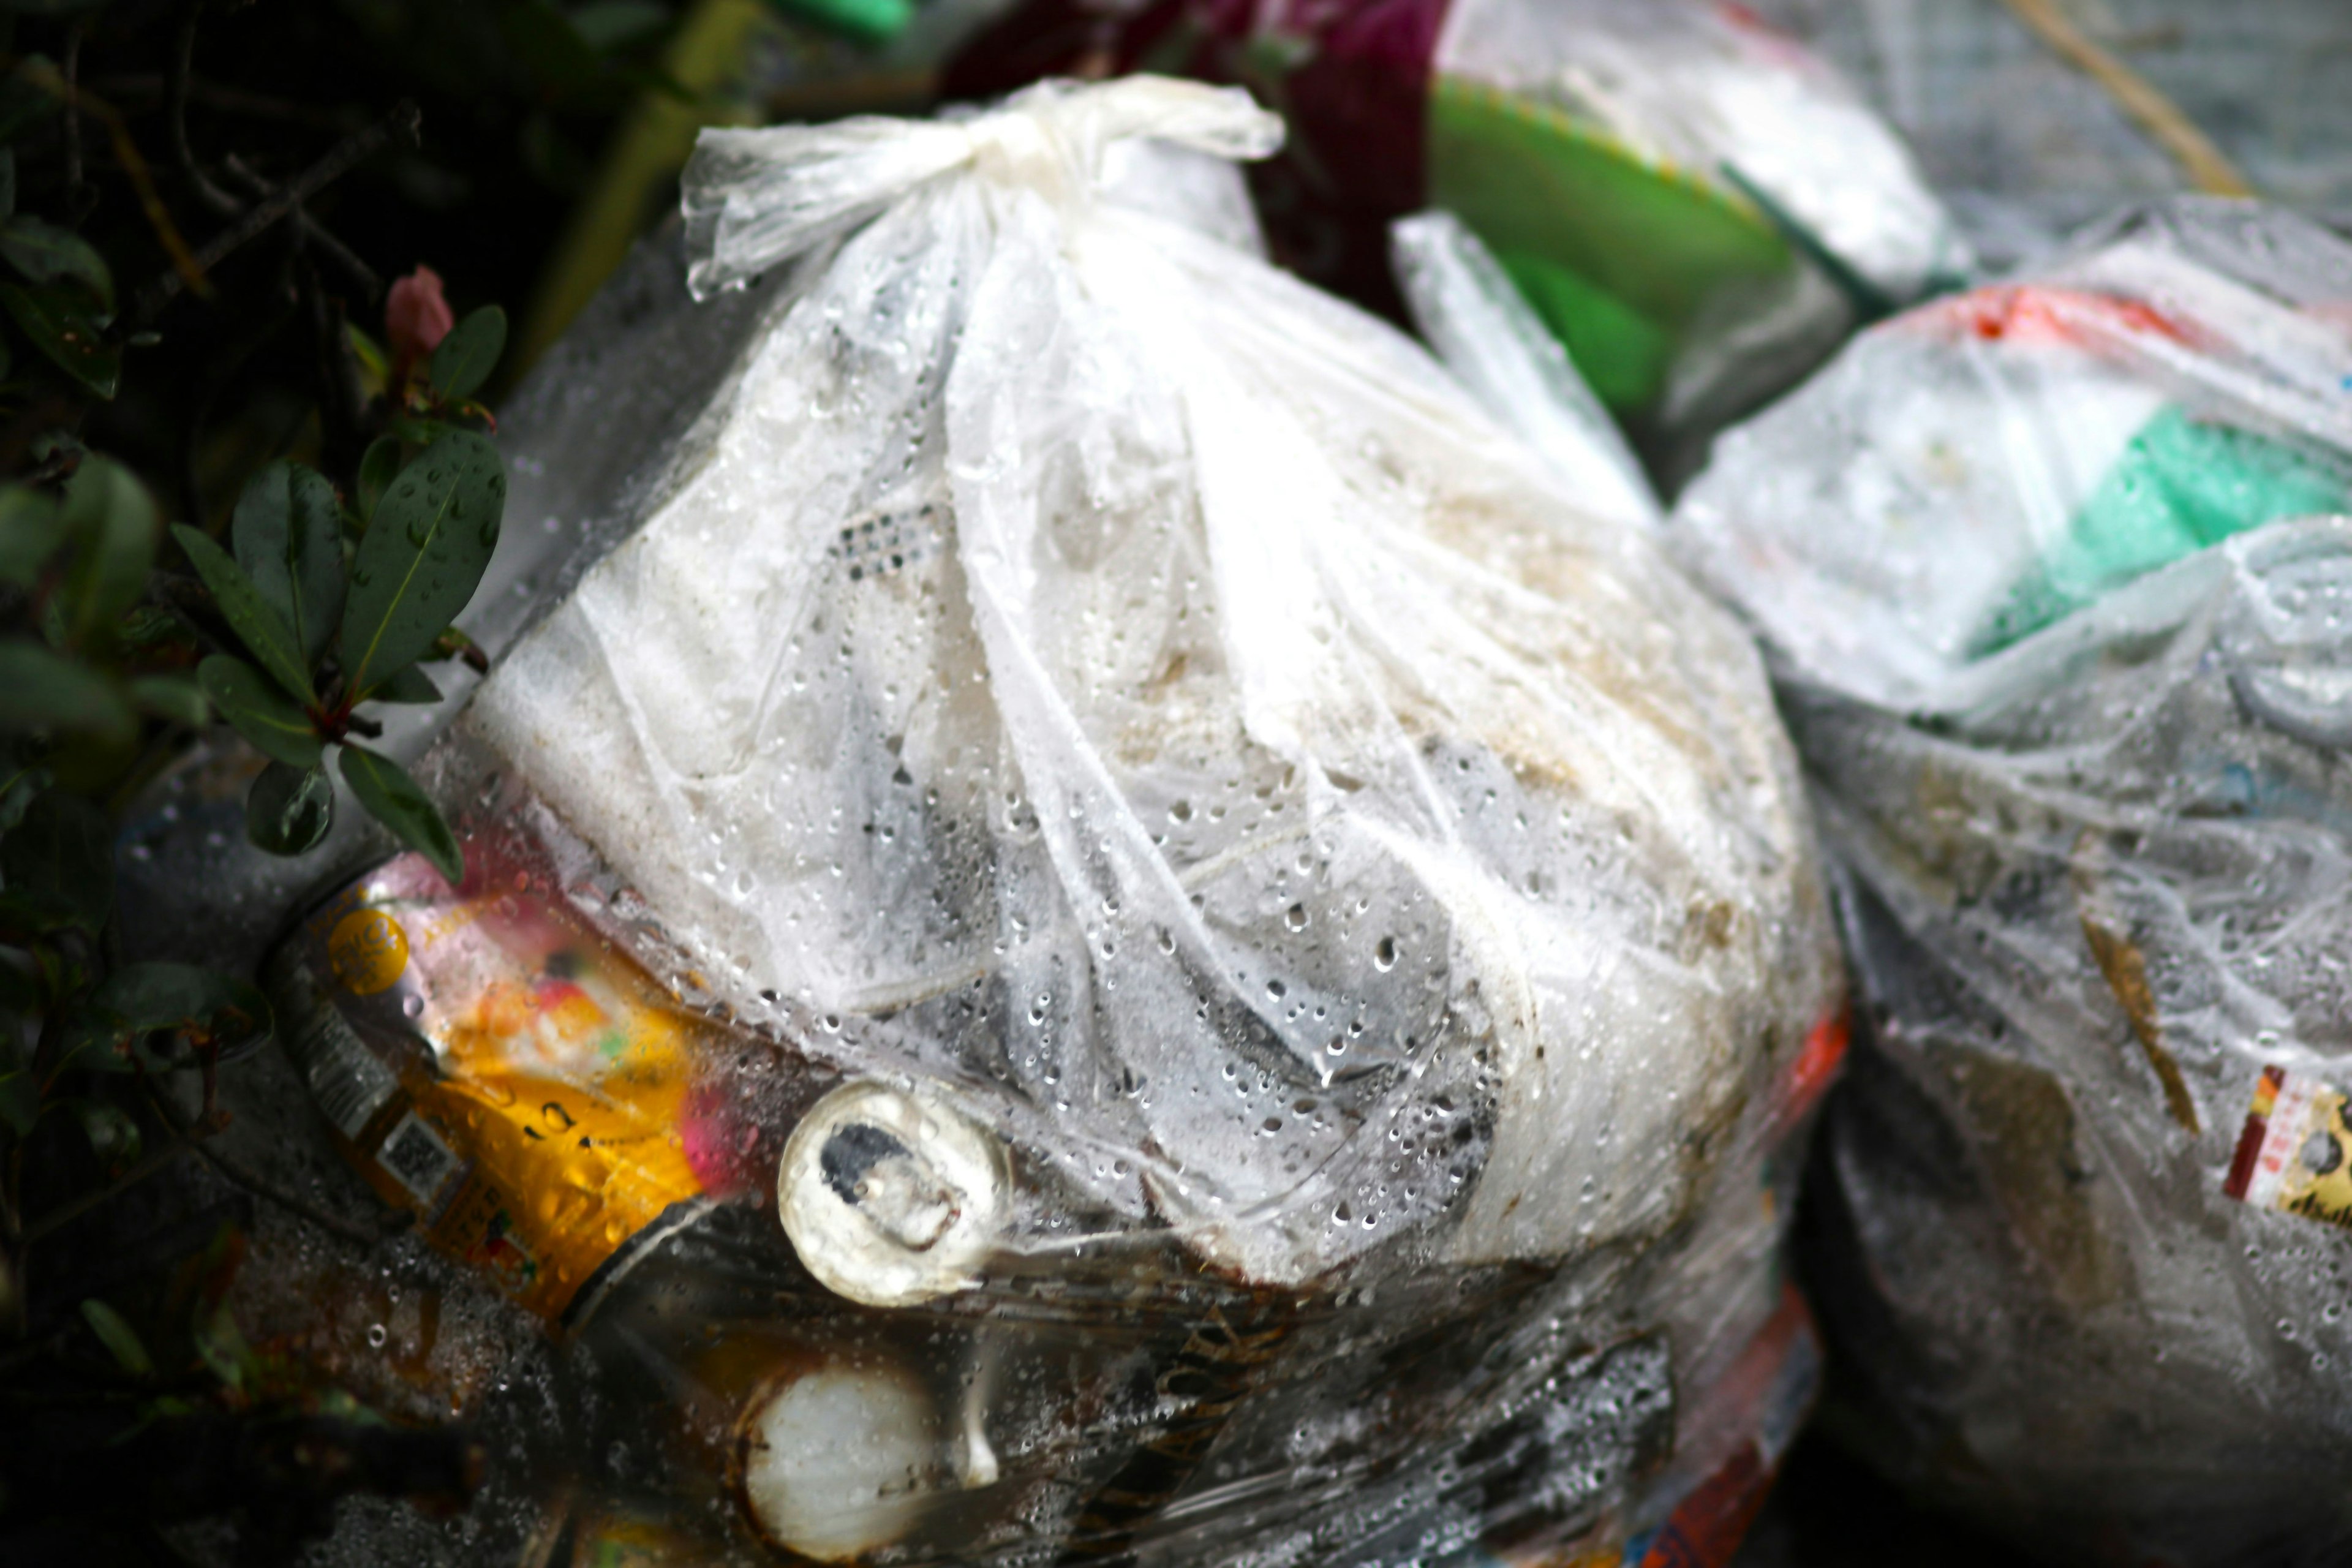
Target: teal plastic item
{"points": [[865, 21], [2179, 487]]}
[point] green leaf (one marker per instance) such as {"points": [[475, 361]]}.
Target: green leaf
{"points": [[63, 329], [46, 253], [287, 810], [368, 351], [59, 860], [392, 798], [408, 685], [378, 468], [470, 352], [174, 696], [32, 526], [289, 535], [112, 522], [41, 690], [274, 726], [253, 617], [118, 1337], [423, 555]]}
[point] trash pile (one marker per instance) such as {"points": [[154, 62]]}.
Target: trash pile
{"points": [[1109, 926], [1110, 914], [2055, 576]]}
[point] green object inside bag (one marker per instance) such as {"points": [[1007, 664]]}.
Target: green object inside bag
{"points": [[1616, 251], [2179, 487]]}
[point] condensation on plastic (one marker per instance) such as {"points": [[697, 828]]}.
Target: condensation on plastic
{"points": [[1465, 307], [2094, 871], [1708, 92], [1090, 680]]}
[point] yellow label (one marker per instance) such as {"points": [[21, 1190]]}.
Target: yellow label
{"points": [[368, 952]]}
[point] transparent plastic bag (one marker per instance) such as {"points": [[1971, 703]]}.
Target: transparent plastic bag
{"points": [[1113, 925], [1695, 205], [2068, 663]]}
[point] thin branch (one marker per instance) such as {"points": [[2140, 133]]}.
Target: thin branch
{"points": [[134, 168], [2209, 170], [400, 125], [314, 233], [176, 113]]}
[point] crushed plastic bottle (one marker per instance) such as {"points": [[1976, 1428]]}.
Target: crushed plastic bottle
{"points": [[2066, 653], [1100, 922], [1697, 207]]}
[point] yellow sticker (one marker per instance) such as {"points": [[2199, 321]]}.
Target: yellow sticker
{"points": [[368, 952]]}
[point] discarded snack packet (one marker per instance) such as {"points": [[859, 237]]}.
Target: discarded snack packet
{"points": [[2066, 654], [1697, 207], [1109, 926]]}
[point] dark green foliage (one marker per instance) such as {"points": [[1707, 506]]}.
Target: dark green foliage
{"points": [[392, 798], [289, 535], [423, 555]]}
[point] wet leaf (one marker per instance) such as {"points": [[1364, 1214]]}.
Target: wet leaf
{"points": [[287, 809], [256, 622], [62, 328], [113, 523], [289, 536], [273, 725], [423, 555], [392, 798], [46, 253], [471, 352], [378, 468], [116, 1334], [410, 685], [43, 690], [32, 526], [59, 861]]}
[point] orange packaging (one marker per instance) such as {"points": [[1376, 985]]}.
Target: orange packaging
{"points": [[492, 1065]]}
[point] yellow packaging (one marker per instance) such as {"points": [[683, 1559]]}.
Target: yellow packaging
{"points": [[493, 1065]]}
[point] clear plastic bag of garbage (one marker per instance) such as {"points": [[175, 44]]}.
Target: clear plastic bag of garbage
{"points": [[1697, 207], [1112, 927], [2058, 581]]}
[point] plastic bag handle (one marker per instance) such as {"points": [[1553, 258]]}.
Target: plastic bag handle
{"points": [[754, 198]]}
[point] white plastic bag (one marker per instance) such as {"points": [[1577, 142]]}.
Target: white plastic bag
{"points": [[1243, 848]]}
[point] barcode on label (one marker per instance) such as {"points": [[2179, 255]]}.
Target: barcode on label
{"points": [[348, 1081], [418, 1159]]}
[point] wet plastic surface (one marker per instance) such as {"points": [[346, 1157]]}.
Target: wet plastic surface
{"points": [[2065, 652], [1231, 973]]}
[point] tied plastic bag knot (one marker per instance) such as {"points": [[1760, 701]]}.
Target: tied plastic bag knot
{"points": [[754, 198]]}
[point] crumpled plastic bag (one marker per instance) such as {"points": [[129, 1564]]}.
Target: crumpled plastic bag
{"points": [[1269, 963], [1696, 206], [2065, 652]]}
